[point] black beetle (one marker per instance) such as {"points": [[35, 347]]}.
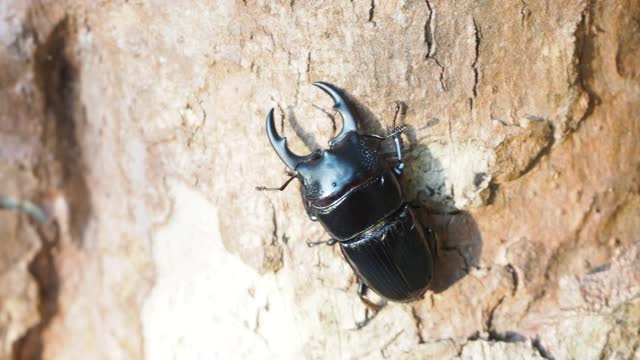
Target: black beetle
{"points": [[355, 194]]}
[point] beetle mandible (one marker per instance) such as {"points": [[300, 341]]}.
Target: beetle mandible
{"points": [[355, 194]]}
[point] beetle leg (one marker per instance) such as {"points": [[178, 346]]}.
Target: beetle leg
{"points": [[307, 208], [290, 173], [370, 306], [398, 142], [329, 242], [395, 132], [264, 188]]}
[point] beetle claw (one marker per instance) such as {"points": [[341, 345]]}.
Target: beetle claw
{"points": [[280, 144], [342, 106], [369, 306], [367, 319]]}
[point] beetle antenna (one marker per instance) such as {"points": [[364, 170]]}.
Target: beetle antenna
{"points": [[264, 188], [398, 108]]}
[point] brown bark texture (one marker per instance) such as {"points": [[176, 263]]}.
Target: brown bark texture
{"points": [[132, 139]]}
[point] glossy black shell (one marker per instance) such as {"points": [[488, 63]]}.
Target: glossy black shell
{"points": [[357, 198], [393, 258], [347, 188], [378, 234]]}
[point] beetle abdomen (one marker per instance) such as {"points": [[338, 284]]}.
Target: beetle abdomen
{"points": [[393, 258]]}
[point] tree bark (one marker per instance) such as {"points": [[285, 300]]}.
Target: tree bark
{"points": [[132, 139]]}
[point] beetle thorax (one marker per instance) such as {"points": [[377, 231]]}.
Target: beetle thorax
{"points": [[351, 161]]}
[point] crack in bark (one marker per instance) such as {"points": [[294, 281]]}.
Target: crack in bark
{"points": [[523, 11], [57, 75], [474, 65], [270, 35], [514, 278], [488, 324], [540, 349], [56, 71], [386, 345], [372, 10], [506, 337], [256, 329], [198, 127], [43, 270], [429, 35], [274, 219], [443, 85], [428, 29], [273, 259], [418, 323], [584, 56]]}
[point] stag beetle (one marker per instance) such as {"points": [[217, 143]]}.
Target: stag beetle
{"points": [[355, 194]]}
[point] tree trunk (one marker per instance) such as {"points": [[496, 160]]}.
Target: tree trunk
{"points": [[132, 139]]}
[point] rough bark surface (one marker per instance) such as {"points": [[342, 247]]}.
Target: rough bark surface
{"points": [[139, 129]]}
